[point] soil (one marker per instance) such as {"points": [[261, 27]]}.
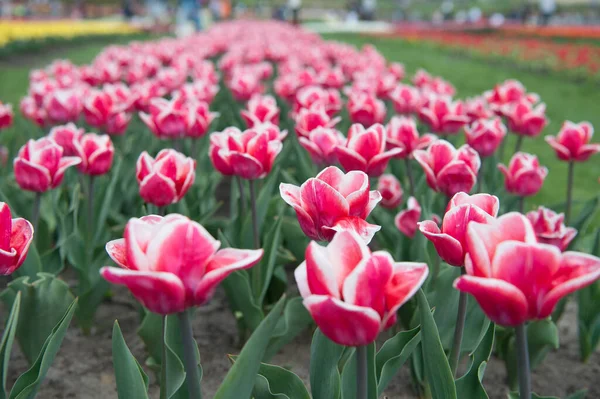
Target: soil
{"points": [[83, 367]]}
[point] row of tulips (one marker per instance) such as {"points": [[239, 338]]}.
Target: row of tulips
{"points": [[205, 96]]}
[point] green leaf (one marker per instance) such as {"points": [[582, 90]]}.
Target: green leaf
{"points": [[132, 381], [585, 217], [263, 201], [542, 336], [392, 355], [89, 301], [267, 263], [107, 202], [470, 385], [325, 379], [577, 395], [29, 382], [349, 376], [295, 319], [588, 312], [48, 299], [437, 370], [6, 344], [240, 379], [274, 382]]}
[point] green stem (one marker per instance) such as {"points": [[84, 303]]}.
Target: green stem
{"points": [[177, 144], [35, 212], [519, 143], [194, 149], [256, 272], [458, 330], [242, 196], [523, 362], [521, 204], [189, 356], [361, 372], [163, 362], [411, 179], [570, 179], [90, 211]]}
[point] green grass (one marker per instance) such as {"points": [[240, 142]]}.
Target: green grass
{"points": [[565, 101]]}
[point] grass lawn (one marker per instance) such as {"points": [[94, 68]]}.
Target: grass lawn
{"points": [[564, 99]]}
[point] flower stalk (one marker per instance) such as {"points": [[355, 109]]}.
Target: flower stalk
{"points": [[523, 362], [189, 356]]}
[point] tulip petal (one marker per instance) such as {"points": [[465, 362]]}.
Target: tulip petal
{"points": [[358, 225], [65, 162], [455, 177], [246, 166], [160, 292], [30, 176], [447, 247], [301, 276], [376, 166], [322, 202], [407, 278], [157, 189], [344, 324], [222, 264], [502, 302], [350, 160]]}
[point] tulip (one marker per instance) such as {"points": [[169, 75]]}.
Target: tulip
{"points": [[524, 176], [200, 119], [397, 69], [261, 109], [97, 107], [573, 142], [513, 277], [170, 264], [333, 201], [249, 154], [65, 136], [449, 241], [321, 143], [391, 191], [316, 97], [477, 108], [407, 220], [96, 153], [167, 119], [449, 170], [308, 120], [117, 123], [40, 165], [402, 133], [6, 115], [526, 120], [351, 293], [485, 135], [62, 105], [365, 150], [17, 235], [405, 99], [443, 115], [33, 111], [365, 109], [550, 229], [165, 179], [244, 85], [509, 92]]}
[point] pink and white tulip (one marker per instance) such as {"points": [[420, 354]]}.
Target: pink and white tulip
{"points": [[573, 142]]}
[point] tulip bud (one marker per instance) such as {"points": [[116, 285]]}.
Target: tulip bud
{"points": [[65, 136], [96, 153], [573, 142], [390, 190], [485, 136], [524, 176], [17, 235], [407, 220], [550, 229], [6, 115], [402, 133]]}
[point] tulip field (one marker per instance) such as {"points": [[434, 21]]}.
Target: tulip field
{"points": [[257, 211]]}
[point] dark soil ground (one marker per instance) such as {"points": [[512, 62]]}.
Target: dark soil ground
{"points": [[83, 368]]}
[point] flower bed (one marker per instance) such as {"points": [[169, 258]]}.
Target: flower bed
{"points": [[221, 161]]}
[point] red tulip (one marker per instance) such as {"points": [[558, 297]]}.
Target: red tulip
{"points": [[550, 229], [316, 97], [244, 85], [199, 90], [117, 123], [6, 115], [353, 294], [477, 108], [165, 179], [407, 220], [62, 105], [96, 108], [321, 143], [391, 191], [524, 175], [449, 242], [449, 170], [167, 119], [509, 92], [249, 154], [261, 109], [525, 120], [365, 150], [200, 118], [365, 109], [172, 263], [573, 142], [333, 201], [513, 277], [402, 133], [17, 235], [308, 120], [485, 135], [65, 136], [332, 78], [406, 99], [40, 165], [96, 153], [32, 111], [443, 115], [397, 69]]}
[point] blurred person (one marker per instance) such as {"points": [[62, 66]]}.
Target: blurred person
{"points": [[215, 10], [127, 9], [368, 9], [157, 11], [189, 10], [475, 14], [547, 9], [294, 6]]}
